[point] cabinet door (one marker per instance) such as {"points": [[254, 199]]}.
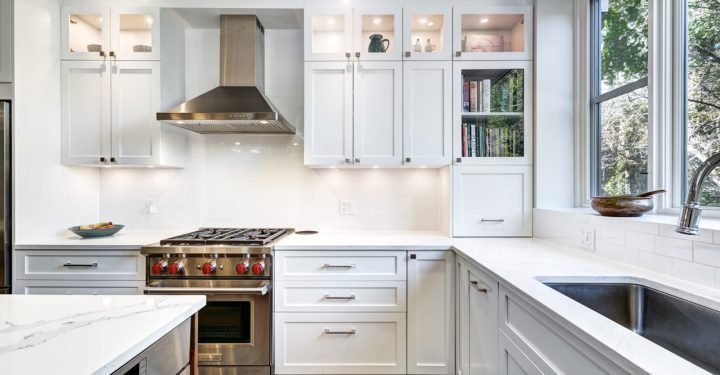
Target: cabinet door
{"points": [[85, 32], [378, 113], [492, 202], [431, 317], [482, 322], [135, 101], [492, 33], [6, 42], [328, 113], [328, 34], [135, 33], [513, 361], [427, 33], [378, 33], [427, 119], [86, 129]]}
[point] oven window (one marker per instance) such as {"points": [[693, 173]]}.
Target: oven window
{"points": [[225, 322]]}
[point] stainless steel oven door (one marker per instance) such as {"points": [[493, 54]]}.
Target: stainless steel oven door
{"points": [[234, 325]]}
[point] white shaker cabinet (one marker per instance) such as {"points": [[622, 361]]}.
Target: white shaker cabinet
{"points": [[427, 113], [378, 113], [492, 201], [108, 116], [431, 312], [6, 40], [328, 113], [477, 349]]}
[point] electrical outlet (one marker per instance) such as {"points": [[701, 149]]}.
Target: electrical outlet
{"points": [[150, 207], [587, 238], [347, 207]]}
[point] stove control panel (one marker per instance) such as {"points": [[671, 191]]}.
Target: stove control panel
{"points": [[209, 265]]}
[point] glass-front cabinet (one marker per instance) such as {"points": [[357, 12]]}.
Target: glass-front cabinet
{"points": [[98, 33], [378, 33], [328, 34], [492, 120], [492, 33], [427, 33]]}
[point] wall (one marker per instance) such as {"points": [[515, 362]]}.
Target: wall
{"points": [[48, 196], [639, 242], [554, 121], [257, 180]]}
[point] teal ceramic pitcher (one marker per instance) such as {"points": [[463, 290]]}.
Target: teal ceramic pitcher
{"points": [[378, 44]]}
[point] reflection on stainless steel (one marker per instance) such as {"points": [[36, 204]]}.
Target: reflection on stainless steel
{"points": [[169, 355], [690, 216], [685, 328], [6, 195], [239, 105]]}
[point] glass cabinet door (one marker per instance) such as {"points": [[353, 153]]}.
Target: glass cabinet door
{"points": [[378, 33], [85, 32], [328, 34], [136, 33], [492, 33], [427, 33], [492, 115]]}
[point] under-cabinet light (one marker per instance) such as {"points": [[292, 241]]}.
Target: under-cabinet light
{"points": [[431, 23], [377, 21], [423, 20], [484, 20], [331, 21]]}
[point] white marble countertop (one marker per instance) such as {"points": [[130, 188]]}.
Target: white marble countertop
{"points": [[84, 334], [123, 240], [518, 262]]}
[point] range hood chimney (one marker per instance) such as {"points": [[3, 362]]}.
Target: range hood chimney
{"points": [[239, 104]]}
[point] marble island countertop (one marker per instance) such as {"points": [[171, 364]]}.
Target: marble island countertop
{"points": [[521, 263], [84, 334]]}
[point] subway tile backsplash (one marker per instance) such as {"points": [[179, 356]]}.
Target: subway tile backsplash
{"points": [[654, 246]]}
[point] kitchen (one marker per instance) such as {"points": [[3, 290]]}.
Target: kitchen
{"points": [[356, 187]]}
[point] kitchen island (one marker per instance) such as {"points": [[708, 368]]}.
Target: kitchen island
{"points": [[58, 335]]}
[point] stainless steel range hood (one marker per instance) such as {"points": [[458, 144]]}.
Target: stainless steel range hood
{"points": [[239, 105]]}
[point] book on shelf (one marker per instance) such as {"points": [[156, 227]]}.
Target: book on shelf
{"points": [[473, 140], [466, 96], [486, 95], [473, 96]]}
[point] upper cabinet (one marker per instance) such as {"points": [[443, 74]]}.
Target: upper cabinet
{"points": [[378, 33], [492, 33], [427, 33], [98, 32], [6, 42], [328, 34]]}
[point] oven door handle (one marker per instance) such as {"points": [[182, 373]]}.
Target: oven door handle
{"points": [[262, 290]]}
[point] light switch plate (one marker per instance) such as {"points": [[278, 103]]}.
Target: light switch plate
{"points": [[587, 238], [346, 207], [150, 207]]}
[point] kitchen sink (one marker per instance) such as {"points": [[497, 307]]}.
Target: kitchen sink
{"points": [[685, 328]]}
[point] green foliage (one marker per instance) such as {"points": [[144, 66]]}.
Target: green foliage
{"points": [[624, 41]]}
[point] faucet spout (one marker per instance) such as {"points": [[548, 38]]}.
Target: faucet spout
{"points": [[690, 216]]}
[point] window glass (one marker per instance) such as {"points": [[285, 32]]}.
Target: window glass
{"points": [[623, 42], [703, 93]]}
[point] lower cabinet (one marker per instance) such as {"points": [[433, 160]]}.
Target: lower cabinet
{"points": [[71, 287], [513, 361], [333, 343]]}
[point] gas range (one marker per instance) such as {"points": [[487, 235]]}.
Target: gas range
{"points": [[228, 253]]}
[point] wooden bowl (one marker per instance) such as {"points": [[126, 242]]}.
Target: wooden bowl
{"points": [[622, 206]]}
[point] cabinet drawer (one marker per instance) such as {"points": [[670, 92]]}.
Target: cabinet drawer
{"points": [[340, 265], [80, 265], [340, 296], [78, 287], [492, 201], [340, 343]]}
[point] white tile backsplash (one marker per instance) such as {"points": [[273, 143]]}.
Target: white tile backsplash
{"points": [[654, 246]]}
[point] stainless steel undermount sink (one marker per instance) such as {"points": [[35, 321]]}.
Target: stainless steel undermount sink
{"points": [[690, 330]]}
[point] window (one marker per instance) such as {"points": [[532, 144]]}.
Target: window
{"points": [[702, 94], [619, 97]]}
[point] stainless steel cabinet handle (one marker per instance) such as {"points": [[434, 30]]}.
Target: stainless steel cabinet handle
{"points": [[492, 220], [103, 160], [475, 285], [357, 54], [329, 332], [209, 357], [357, 160], [338, 265], [112, 54], [458, 53], [95, 264], [407, 53], [350, 297], [102, 53], [348, 161], [458, 160], [348, 54], [112, 160], [407, 160]]}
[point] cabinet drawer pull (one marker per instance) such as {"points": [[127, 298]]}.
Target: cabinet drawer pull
{"points": [[68, 264], [475, 285], [329, 332], [492, 220], [338, 265], [350, 297]]}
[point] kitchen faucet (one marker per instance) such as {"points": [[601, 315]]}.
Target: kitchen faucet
{"points": [[691, 211]]}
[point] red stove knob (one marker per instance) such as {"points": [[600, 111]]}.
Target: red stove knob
{"points": [[208, 268], [175, 267], [258, 268], [241, 268], [159, 267]]}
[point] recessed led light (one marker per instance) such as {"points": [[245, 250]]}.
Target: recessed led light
{"points": [[295, 143], [331, 21], [179, 122], [423, 20], [377, 21], [237, 143], [431, 23], [263, 122], [149, 20], [376, 166], [99, 19], [484, 20]]}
